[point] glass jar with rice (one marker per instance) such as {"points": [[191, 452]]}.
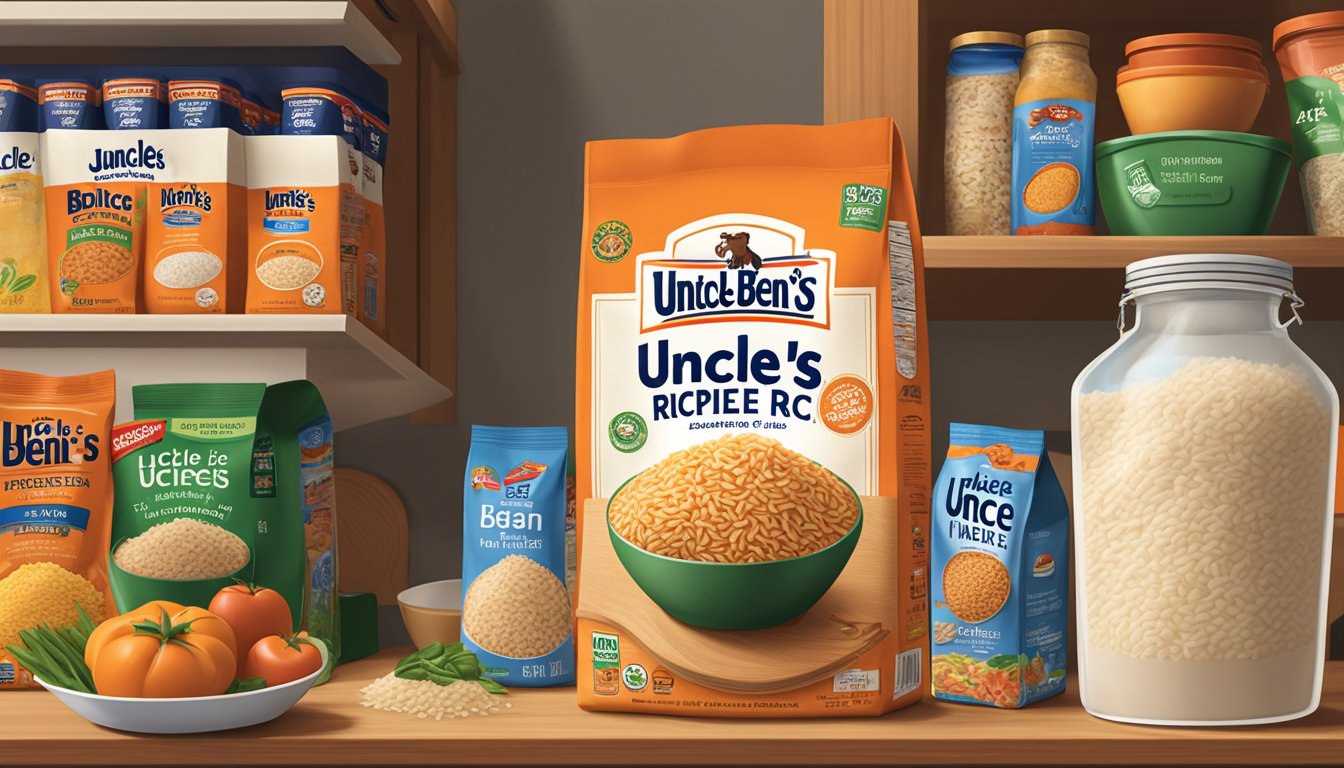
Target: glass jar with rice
{"points": [[982, 79], [1053, 129]]}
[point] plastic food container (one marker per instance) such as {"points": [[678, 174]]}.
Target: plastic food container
{"points": [[1310, 50], [1182, 97], [1194, 48], [982, 78], [1191, 182], [1204, 446]]}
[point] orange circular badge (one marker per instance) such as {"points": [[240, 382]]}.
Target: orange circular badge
{"points": [[846, 405]]}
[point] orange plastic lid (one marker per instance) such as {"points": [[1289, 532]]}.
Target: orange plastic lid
{"points": [[1312, 22], [1125, 74], [1192, 38]]}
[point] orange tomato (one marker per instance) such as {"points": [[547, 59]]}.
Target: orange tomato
{"points": [[162, 650], [281, 660], [253, 613]]}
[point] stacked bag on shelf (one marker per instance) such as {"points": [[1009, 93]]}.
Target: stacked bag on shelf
{"points": [[1190, 167], [190, 196]]}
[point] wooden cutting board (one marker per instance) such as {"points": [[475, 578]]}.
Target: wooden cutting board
{"points": [[372, 540], [842, 626]]}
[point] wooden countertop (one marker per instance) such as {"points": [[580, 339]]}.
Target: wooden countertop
{"points": [[329, 727]]}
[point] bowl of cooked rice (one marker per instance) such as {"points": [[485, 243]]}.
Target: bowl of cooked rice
{"points": [[186, 561], [737, 533]]}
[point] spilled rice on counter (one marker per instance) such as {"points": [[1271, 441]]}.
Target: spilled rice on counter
{"points": [[437, 681]]}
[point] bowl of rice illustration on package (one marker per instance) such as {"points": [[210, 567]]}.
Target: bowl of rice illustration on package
{"points": [[736, 533]]}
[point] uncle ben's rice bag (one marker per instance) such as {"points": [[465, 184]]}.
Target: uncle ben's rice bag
{"points": [[23, 228]]}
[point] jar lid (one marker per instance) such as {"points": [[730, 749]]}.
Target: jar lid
{"points": [[1058, 36], [1312, 22], [985, 38], [1203, 39], [1208, 270]]}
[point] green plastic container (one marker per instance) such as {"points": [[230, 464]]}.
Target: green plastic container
{"points": [[1191, 182], [736, 596], [131, 591]]}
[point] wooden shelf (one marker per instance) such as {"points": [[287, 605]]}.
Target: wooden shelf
{"points": [[1080, 278], [329, 727], [361, 377], [1112, 252], [193, 23]]}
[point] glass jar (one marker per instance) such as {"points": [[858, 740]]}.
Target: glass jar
{"points": [[1203, 458], [978, 149], [1053, 128]]}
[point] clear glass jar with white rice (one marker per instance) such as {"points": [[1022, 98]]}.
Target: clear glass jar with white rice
{"points": [[982, 76], [1204, 448]]}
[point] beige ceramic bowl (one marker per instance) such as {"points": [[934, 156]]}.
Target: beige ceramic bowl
{"points": [[432, 612]]}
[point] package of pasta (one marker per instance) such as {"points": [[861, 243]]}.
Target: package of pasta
{"points": [[1000, 570], [752, 409], [55, 507], [516, 613]]}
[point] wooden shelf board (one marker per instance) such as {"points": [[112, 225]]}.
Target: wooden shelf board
{"points": [[545, 727], [361, 377], [188, 23], [1113, 252]]}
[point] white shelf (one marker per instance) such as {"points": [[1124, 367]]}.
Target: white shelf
{"points": [[191, 23], [362, 378]]}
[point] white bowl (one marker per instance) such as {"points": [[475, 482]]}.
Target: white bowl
{"points": [[432, 612], [192, 715]]}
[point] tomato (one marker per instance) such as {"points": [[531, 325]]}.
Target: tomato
{"points": [[282, 660], [162, 650], [253, 613]]}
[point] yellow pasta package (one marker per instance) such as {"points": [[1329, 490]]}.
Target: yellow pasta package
{"points": [[23, 234]]}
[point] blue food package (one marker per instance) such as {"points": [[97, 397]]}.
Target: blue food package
{"points": [[321, 110], [516, 611], [1000, 570], [18, 107], [134, 103], [69, 104], [204, 104]]}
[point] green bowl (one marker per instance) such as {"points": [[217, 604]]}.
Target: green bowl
{"points": [[736, 596], [130, 591], [1191, 182]]}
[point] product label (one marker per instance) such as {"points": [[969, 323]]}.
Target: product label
{"points": [[1052, 167], [1314, 110], [863, 206], [732, 326]]}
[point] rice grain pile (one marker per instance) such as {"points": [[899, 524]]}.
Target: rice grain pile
{"points": [[183, 550], [517, 608], [286, 273], [976, 585], [426, 699], [37, 593], [1323, 189], [737, 499], [187, 269], [1203, 506], [978, 154]]}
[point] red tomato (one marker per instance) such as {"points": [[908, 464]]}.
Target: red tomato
{"points": [[253, 613], [281, 660]]}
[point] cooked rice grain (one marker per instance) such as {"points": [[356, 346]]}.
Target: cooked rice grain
{"points": [[44, 593], [426, 699], [187, 269], [517, 608], [287, 273], [737, 499], [183, 550], [1323, 190]]}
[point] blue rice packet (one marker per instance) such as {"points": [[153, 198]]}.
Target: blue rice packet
{"points": [[516, 614]]}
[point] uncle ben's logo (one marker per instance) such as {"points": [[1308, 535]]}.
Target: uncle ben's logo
{"points": [[735, 269]]}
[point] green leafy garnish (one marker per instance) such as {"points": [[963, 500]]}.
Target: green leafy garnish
{"points": [[444, 665], [245, 686], [56, 654], [1004, 661]]}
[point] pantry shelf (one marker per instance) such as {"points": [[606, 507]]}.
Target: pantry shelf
{"points": [[194, 23], [1080, 278], [362, 378], [544, 727]]}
